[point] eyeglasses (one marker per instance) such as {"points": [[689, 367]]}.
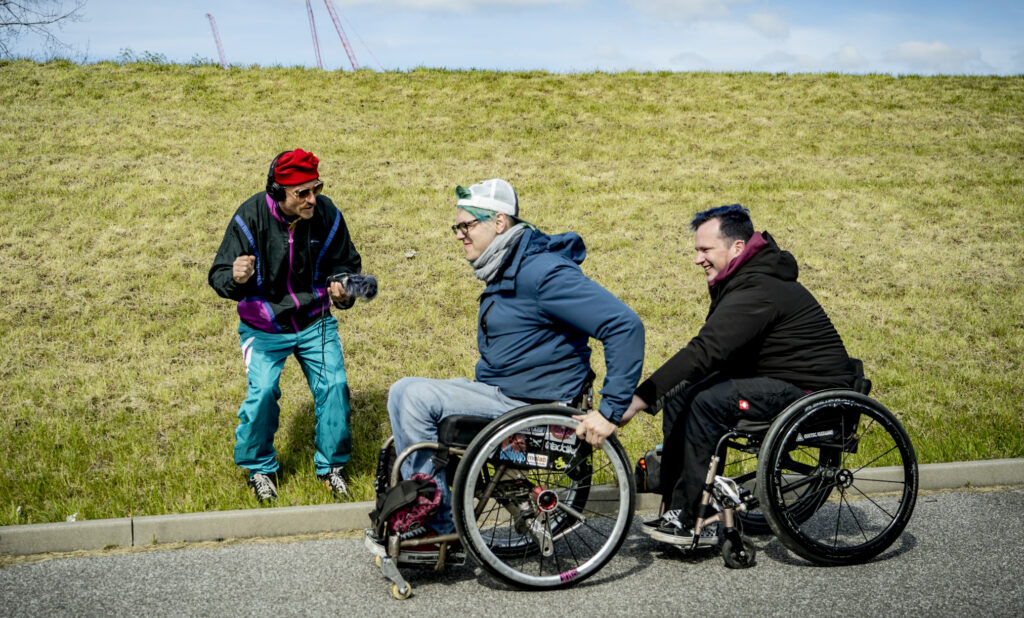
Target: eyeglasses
{"points": [[464, 227], [304, 193]]}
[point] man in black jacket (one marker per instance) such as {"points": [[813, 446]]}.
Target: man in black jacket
{"points": [[278, 251], [765, 343]]}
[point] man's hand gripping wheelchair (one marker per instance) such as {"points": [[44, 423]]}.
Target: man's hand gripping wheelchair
{"points": [[532, 504], [834, 477]]}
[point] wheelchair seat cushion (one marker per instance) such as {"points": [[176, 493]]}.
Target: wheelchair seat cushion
{"points": [[458, 431], [758, 426]]}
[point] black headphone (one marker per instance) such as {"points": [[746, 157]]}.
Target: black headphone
{"points": [[275, 190]]}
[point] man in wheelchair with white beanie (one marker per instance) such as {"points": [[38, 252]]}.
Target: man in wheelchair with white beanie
{"points": [[537, 314]]}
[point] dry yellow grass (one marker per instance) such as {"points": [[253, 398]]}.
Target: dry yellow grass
{"points": [[119, 377]]}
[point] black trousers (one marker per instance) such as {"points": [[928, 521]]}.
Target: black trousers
{"points": [[695, 420]]}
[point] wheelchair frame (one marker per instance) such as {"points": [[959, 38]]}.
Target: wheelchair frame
{"points": [[561, 518], [838, 437]]}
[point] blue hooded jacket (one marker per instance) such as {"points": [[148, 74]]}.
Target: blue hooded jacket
{"points": [[536, 319]]}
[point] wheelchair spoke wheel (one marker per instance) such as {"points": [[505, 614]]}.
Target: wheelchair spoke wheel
{"points": [[741, 466], [538, 508], [837, 478]]}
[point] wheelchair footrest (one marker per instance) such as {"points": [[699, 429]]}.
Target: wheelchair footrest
{"points": [[417, 555]]}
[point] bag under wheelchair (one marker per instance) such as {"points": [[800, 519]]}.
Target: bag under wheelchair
{"points": [[533, 505], [834, 477]]}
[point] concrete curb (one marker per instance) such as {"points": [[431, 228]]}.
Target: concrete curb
{"points": [[285, 521]]}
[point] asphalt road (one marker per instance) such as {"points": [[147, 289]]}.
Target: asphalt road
{"points": [[958, 557]]}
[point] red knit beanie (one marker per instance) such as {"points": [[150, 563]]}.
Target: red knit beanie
{"points": [[296, 167]]}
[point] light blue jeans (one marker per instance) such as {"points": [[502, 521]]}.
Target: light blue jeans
{"points": [[318, 350], [418, 405]]}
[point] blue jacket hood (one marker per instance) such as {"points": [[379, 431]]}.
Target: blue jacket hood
{"points": [[569, 246]]}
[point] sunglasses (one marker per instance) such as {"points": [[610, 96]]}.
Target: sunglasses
{"points": [[304, 193], [464, 227]]}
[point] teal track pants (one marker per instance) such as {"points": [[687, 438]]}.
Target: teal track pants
{"points": [[318, 350]]}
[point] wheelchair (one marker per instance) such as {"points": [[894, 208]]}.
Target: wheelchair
{"points": [[835, 480], [533, 505]]}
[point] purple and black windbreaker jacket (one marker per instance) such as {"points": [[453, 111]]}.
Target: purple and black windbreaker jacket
{"points": [[288, 292]]}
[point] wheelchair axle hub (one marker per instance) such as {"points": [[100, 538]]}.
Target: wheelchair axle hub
{"points": [[545, 499], [844, 479]]}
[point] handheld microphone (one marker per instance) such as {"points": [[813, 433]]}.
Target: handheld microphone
{"points": [[356, 286]]}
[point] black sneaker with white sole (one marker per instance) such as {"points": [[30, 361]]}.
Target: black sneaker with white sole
{"points": [[676, 533], [649, 527]]}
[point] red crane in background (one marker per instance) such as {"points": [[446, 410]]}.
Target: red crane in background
{"points": [[220, 48], [341, 33], [312, 28]]}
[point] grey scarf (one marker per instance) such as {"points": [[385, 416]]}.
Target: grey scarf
{"points": [[486, 266]]}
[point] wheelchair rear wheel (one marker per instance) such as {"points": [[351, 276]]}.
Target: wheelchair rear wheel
{"points": [[537, 507], [837, 478]]}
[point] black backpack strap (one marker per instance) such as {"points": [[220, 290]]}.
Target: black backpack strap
{"points": [[400, 495], [440, 459]]}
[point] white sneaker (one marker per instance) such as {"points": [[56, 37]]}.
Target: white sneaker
{"points": [[263, 487]]}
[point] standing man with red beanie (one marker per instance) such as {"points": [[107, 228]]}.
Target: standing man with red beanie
{"points": [[279, 249]]}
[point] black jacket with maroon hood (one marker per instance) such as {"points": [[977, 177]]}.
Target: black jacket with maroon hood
{"points": [[761, 322]]}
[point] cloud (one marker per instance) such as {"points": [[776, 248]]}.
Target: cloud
{"points": [[458, 6], [1018, 62], [688, 61], [783, 61], [848, 58], [687, 10], [610, 58], [936, 57], [772, 26]]}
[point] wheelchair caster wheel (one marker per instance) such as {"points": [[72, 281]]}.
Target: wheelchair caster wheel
{"points": [[739, 555], [398, 594]]}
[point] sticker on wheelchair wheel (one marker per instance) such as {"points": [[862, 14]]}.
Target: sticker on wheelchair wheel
{"points": [[548, 451], [513, 450], [536, 461], [560, 432], [560, 441], [559, 448]]}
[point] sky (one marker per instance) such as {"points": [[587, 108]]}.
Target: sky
{"points": [[921, 37]]}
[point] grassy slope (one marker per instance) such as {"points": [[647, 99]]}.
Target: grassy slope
{"points": [[120, 378]]}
